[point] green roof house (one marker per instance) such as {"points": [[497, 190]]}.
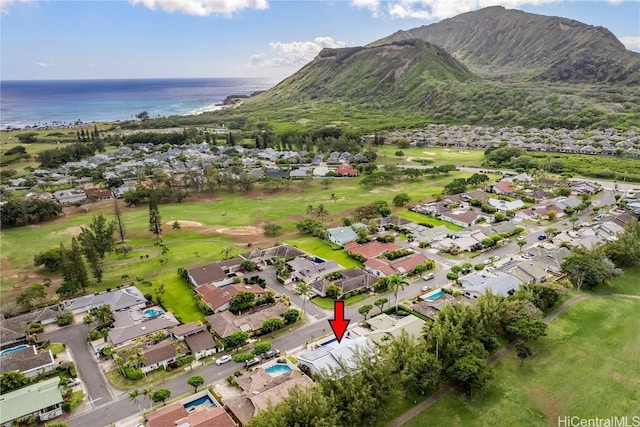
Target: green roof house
{"points": [[42, 400]]}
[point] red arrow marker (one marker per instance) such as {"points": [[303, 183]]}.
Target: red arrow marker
{"points": [[339, 323]]}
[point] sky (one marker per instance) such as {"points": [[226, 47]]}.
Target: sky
{"points": [[89, 39]]}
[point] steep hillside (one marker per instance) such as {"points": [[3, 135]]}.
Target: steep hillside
{"points": [[498, 41], [392, 73]]}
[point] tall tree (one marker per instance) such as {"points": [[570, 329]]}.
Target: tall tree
{"points": [[321, 212], [380, 302], [195, 381], [32, 295], [304, 290], [155, 221], [79, 270], [134, 396], [396, 283], [119, 220], [89, 248]]}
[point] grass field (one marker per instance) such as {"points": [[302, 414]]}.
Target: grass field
{"points": [[417, 217], [629, 283], [586, 366], [436, 155], [324, 250]]}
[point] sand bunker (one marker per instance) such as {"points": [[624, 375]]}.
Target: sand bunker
{"points": [[239, 231], [67, 231], [429, 153], [185, 224]]}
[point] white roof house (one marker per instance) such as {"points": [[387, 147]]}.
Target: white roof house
{"points": [[334, 355], [498, 283]]}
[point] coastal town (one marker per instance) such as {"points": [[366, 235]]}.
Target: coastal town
{"points": [[96, 358]]}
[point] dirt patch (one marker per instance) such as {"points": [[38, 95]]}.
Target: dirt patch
{"points": [[548, 403], [185, 224], [429, 153], [239, 231], [67, 231], [375, 191]]}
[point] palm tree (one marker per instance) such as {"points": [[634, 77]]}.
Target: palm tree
{"points": [[304, 290], [226, 250], [334, 197], [310, 209], [148, 392], [396, 283], [134, 396], [321, 212]]}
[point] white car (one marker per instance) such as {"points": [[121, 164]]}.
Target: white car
{"points": [[520, 238], [72, 382], [224, 359]]}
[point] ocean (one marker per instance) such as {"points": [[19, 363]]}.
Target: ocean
{"points": [[62, 102]]}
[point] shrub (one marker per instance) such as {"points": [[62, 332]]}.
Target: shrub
{"points": [[291, 316], [133, 374], [242, 357], [272, 324], [236, 339]]}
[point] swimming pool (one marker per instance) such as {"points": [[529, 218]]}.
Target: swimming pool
{"points": [[433, 295], [153, 312], [278, 369], [12, 349], [202, 401]]}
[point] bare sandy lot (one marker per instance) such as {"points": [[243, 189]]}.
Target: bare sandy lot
{"points": [[239, 231]]}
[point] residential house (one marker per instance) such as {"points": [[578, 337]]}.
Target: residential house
{"points": [[385, 327], [299, 173], [27, 361], [391, 220], [277, 173], [502, 187], [69, 197], [42, 400], [540, 212], [465, 219], [159, 355], [346, 170], [260, 391], [584, 187], [341, 235], [306, 270], [567, 202], [431, 308], [217, 273], [285, 251], [336, 356], [12, 330], [370, 249], [225, 323], [426, 234], [201, 344], [98, 194], [382, 267], [350, 280], [184, 414], [527, 271], [499, 283], [219, 298], [180, 332], [505, 205], [118, 299], [608, 230], [131, 324]]}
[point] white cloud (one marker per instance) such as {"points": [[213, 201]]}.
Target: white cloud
{"points": [[5, 5], [203, 7], [294, 54], [372, 5], [441, 9], [44, 64], [631, 42]]}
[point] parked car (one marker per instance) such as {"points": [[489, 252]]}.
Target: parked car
{"points": [[272, 353], [542, 237], [426, 288], [224, 359], [71, 382], [253, 361], [520, 238], [428, 276]]}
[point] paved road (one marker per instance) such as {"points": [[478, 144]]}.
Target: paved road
{"points": [[75, 337]]}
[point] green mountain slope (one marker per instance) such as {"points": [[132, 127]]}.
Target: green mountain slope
{"points": [[498, 41], [392, 74]]}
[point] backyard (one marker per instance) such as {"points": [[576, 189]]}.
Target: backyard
{"points": [[586, 366]]}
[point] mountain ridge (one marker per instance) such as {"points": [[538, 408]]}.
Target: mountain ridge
{"points": [[498, 41]]}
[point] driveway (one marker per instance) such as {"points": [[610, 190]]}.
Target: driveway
{"points": [[75, 337]]}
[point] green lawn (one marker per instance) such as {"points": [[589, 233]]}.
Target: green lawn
{"points": [[324, 250], [586, 366], [56, 347], [328, 303], [437, 155], [628, 283], [418, 217]]}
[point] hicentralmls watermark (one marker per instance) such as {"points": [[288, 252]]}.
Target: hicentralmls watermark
{"points": [[615, 421]]}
